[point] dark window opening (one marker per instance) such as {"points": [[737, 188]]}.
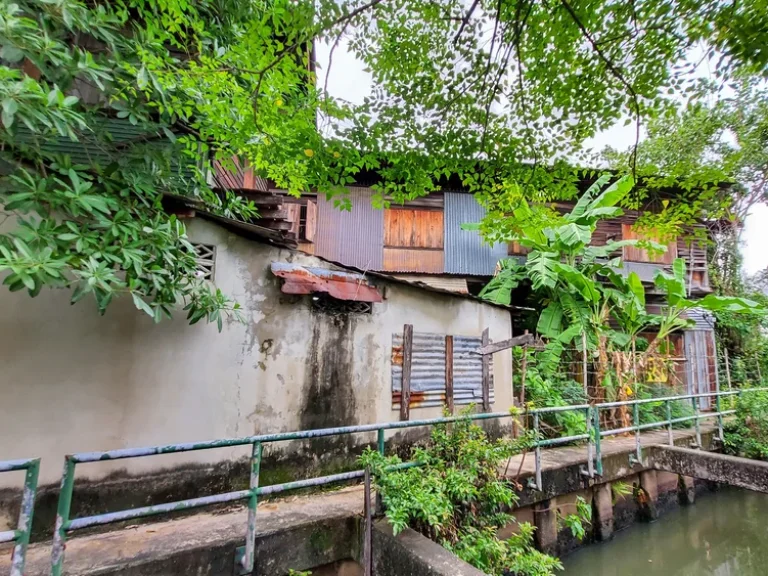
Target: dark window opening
{"points": [[325, 304]]}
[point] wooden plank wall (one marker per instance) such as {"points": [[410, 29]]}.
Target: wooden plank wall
{"points": [[413, 240]]}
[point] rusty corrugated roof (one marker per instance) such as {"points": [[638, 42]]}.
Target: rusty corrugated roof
{"points": [[339, 284]]}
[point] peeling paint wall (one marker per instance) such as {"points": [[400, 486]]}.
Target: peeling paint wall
{"points": [[73, 381]]}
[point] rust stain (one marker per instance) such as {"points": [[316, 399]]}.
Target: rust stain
{"points": [[397, 355]]}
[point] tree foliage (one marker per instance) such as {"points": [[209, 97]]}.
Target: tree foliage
{"points": [[502, 94]]}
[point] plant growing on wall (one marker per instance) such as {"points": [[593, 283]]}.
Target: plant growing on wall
{"points": [[457, 497]]}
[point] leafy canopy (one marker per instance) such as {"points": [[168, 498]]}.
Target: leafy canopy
{"points": [[491, 92]]}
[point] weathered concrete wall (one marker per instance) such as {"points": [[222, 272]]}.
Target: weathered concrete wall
{"points": [[73, 381]]}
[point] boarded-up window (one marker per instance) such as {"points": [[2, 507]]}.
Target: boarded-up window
{"points": [[413, 240], [413, 229], [428, 370], [637, 254]]}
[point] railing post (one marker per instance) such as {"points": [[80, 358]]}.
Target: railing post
{"points": [[380, 440], [718, 407], [253, 501], [669, 423], [636, 419], [590, 444], [598, 450], [24, 528], [537, 457], [62, 516], [695, 401]]}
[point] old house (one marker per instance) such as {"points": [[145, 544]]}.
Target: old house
{"points": [[422, 241]]}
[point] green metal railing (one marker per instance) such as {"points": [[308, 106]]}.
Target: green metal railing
{"points": [[592, 435], [24, 527]]}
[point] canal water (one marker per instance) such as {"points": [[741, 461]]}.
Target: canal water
{"points": [[724, 534]]}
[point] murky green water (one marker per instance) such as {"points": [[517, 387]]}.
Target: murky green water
{"points": [[723, 534]]}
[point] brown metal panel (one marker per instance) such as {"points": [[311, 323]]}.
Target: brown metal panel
{"points": [[407, 260], [635, 254], [351, 237]]}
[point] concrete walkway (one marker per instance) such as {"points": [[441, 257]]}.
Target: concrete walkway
{"points": [[126, 550], [554, 458]]}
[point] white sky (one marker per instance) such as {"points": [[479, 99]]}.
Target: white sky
{"points": [[349, 81]]}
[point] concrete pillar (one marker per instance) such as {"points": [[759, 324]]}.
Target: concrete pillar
{"points": [[686, 491], [648, 495], [545, 520], [602, 500]]}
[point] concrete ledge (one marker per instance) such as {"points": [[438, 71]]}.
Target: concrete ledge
{"points": [[732, 470], [411, 554], [291, 534]]}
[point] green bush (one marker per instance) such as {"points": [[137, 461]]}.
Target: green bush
{"points": [[457, 497], [746, 435]]}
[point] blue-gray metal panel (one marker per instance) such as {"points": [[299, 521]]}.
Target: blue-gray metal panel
{"points": [[704, 320], [465, 251], [353, 238], [428, 369]]}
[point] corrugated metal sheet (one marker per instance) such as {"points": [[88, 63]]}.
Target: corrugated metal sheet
{"points": [[404, 260], [114, 135], [458, 285], [701, 364], [428, 370], [703, 319], [465, 252], [354, 238]]}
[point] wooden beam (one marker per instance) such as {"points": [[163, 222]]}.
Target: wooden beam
{"points": [[486, 374], [505, 344], [449, 373], [405, 395]]}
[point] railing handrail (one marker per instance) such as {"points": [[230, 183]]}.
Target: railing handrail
{"points": [[592, 434]]}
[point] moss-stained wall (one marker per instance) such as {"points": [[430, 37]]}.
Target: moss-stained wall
{"points": [[73, 381]]}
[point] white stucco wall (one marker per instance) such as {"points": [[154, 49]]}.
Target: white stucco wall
{"points": [[73, 381]]}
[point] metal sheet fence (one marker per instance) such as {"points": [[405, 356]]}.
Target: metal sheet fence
{"points": [[428, 370], [592, 435]]}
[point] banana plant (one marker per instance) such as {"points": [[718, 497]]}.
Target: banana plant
{"points": [[561, 265], [677, 301]]}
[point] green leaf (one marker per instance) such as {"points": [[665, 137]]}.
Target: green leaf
{"points": [[551, 321], [541, 269], [142, 305], [10, 107], [576, 279], [572, 235]]}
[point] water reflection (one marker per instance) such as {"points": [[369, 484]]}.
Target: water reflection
{"points": [[724, 534]]}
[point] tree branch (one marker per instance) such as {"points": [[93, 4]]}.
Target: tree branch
{"points": [[614, 71], [465, 20]]}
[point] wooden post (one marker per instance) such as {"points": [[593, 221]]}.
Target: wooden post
{"points": [[727, 368], [584, 362], [486, 374], [449, 373], [367, 555], [405, 395]]}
